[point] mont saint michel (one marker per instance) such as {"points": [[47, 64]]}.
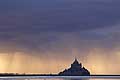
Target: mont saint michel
{"points": [[76, 69]]}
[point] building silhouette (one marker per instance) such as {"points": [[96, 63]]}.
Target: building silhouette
{"points": [[76, 69]]}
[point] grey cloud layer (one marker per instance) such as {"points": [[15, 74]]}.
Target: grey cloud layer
{"points": [[42, 24]]}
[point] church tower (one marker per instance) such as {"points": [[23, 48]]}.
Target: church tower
{"points": [[76, 64]]}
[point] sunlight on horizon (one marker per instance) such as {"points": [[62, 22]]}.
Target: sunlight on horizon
{"points": [[24, 63]]}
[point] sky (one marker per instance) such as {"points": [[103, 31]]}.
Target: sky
{"points": [[44, 36]]}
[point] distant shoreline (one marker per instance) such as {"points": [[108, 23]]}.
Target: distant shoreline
{"points": [[59, 77], [11, 74]]}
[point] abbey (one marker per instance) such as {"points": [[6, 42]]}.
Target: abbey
{"points": [[76, 69]]}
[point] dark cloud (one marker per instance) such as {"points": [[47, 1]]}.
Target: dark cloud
{"points": [[59, 28], [56, 15]]}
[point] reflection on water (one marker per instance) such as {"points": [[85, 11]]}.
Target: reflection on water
{"points": [[59, 79], [44, 79]]}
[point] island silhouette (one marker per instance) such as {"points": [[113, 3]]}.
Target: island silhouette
{"points": [[76, 69]]}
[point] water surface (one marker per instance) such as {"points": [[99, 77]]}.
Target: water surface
{"points": [[60, 78]]}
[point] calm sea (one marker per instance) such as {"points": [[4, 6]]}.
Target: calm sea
{"points": [[60, 78]]}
